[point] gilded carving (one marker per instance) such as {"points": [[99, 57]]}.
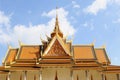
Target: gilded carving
{"points": [[56, 50]]}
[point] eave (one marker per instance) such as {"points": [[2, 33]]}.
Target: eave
{"points": [[56, 57], [87, 68], [23, 68], [54, 65], [54, 61]]}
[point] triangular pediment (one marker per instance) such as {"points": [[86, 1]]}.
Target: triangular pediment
{"points": [[56, 48]]}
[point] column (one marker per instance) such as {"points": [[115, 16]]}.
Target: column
{"points": [[25, 75], [8, 78], [87, 74], [102, 75], [40, 75], [118, 77], [71, 74]]}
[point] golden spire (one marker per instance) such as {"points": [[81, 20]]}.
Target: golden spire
{"points": [[56, 23], [56, 29]]}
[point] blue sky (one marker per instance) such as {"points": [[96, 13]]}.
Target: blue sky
{"points": [[83, 21]]}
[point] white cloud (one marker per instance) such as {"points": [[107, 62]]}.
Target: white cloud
{"points": [[99, 5], [75, 5], [4, 38], [115, 1], [89, 25], [96, 6], [65, 25], [4, 20], [117, 21], [31, 34], [4, 26]]}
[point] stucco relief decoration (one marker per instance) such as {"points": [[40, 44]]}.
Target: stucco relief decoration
{"points": [[56, 50]]}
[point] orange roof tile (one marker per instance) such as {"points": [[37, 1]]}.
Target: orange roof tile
{"points": [[11, 55], [83, 52], [102, 56], [29, 52], [2, 68]]}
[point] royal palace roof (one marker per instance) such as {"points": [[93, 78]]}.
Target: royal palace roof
{"points": [[58, 51]]}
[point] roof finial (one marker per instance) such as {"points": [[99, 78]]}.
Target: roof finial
{"points": [[56, 29], [56, 10], [9, 46], [56, 24], [104, 46], [20, 43], [92, 44]]}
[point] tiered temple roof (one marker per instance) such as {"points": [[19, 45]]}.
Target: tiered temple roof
{"points": [[58, 51]]}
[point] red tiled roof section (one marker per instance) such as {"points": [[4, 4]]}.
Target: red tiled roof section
{"points": [[29, 52], [101, 55], [83, 52], [11, 55]]}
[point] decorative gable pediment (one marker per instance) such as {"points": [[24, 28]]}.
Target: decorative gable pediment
{"points": [[56, 48]]}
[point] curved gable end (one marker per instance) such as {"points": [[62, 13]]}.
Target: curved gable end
{"points": [[10, 56], [102, 56]]}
